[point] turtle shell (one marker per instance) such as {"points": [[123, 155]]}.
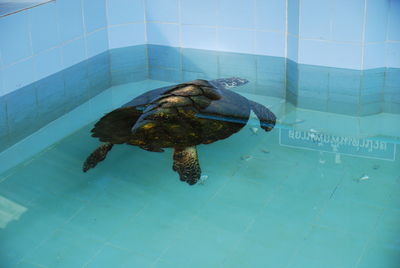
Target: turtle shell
{"points": [[183, 115]]}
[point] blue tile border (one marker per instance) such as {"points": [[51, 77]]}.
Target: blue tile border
{"points": [[128, 64], [21, 106], [31, 107], [164, 57], [201, 61], [292, 80], [50, 98], [337, 90], [266, 73], [3, 125], [271, 76], [347, 91], [344, 81], [27, 109], [76, 85], [314, 78], [281, 77]]}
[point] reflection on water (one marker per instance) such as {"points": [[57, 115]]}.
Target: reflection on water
{"points": [[361, 147], [9, 211]]}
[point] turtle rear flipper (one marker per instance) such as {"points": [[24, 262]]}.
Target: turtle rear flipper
{"points": [[97, 156], [266, 117], [186, 163]]}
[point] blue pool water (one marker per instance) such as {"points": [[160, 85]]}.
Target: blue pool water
{"points": [[320, 190]]}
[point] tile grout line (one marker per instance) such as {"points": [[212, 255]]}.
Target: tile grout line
{"points": [[254, 32], [109, 58], [58, 229], [387, 35], [313, 223], [180, 40], [363, 35], [286, 49], [178, 2], [217, 33], [106, 241], [107, 2], [386, 61], [251, 223], [93, 256], [84, 28], [37, 246], [367, 242], [59, 36], [59, 45], [146, 39], [120, 24], [193, 217], [33, 70], [254, 47]]}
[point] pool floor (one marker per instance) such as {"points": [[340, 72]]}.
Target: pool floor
{"points": [[263, 204]]}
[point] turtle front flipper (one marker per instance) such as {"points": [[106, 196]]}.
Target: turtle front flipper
{"points": [[97, 156], [266, 117], [186, 163]]}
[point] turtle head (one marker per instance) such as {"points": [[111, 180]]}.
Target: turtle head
{"points": [[227, 83]]}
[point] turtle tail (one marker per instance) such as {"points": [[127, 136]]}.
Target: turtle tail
{"points": [[186, 163], [97, 156], [266, 117]]}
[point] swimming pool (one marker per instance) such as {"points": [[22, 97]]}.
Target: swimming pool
{"points": [[320, 188]]}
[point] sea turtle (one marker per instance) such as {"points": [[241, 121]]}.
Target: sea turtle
{"points": [[179, 117]]}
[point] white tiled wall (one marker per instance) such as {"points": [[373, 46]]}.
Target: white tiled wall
{"points": [[126, 23], [245, 26], [37, 42], [356, 34]]}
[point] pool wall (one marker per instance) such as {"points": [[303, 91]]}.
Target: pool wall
{"points": [[332, 56], [56, 56], [342, 56]]}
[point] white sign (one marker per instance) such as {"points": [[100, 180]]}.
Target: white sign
{"points": [[361, 147]]}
